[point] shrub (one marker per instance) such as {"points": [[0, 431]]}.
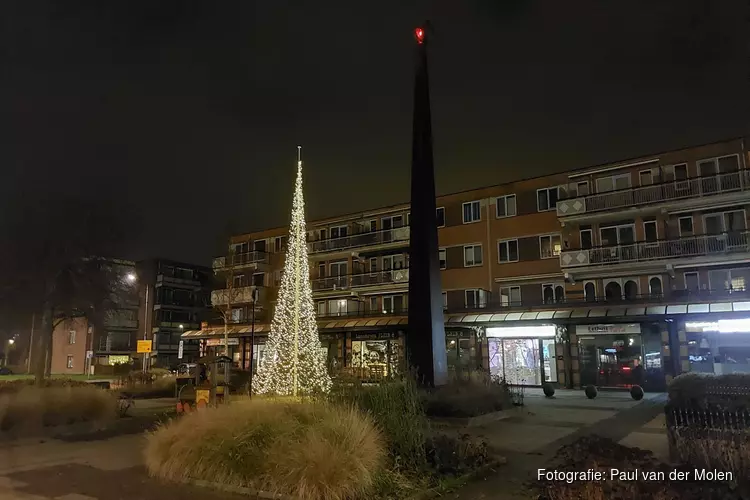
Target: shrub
{"points": [[455, 455], [307, 450], [591, 391], [468, 397], [397, 411], [14, 386], [161, 387], [29, 410]]}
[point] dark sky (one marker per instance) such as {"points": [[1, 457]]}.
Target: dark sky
{"points": [[188, 112]]}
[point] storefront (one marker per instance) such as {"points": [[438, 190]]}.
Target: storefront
{"points": [[523, 355], [719, 347], [376, 355], [462, 350], [620, 355], [215, 347]]}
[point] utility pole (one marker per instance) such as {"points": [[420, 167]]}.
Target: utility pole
{"points": [[31, 345]]}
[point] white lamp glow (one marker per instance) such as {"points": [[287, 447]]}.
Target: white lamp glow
{"points": [[546, 331]]}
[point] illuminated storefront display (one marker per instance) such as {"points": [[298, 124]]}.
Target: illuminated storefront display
{"points": [[522, 355], [719, 347], [376, 355]]}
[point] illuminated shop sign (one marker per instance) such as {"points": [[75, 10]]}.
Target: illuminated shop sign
{"points": [[374, 336], [721, 326], [218, 342], [633, 328], [541, 331]]}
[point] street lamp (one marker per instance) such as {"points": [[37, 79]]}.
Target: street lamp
{"points": [[130, 277], [7, 350], [11, 341]]}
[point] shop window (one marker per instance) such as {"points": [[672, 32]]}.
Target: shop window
{"points": [[611, 360], [655, 287], [613, 291], [375, 359], [522, 361], [458, 353], [589, 291]]}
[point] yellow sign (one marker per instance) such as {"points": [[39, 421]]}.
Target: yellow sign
{"points": [[144, 346]]}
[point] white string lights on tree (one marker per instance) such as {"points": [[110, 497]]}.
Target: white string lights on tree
{"points": [[294, 363]]}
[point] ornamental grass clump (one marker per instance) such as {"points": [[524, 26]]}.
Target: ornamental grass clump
{"points": [[308, 450], [30, 410]]}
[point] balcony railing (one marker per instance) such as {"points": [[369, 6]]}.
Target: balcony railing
{"points": [[656, 193], [241, 259], [396, 235], [239, 295], [691, 246], [364, 313], [350, 281]]}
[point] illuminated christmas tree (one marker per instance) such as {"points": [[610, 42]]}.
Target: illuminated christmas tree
{"points": [[294, 363]]}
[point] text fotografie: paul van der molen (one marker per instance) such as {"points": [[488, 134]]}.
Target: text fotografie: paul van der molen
{"points": [[634, 475]]}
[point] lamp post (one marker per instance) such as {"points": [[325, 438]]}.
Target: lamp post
{"points": [[7, 350]]}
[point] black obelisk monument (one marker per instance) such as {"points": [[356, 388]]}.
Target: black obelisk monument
{"points": [[425, 339]]}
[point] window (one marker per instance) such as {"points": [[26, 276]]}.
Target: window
{"points": [[589, 291], [617, 235], [612, 183], [686, 226], [69, 362], [72, 337], [393, 304], [649, 230], [692, 282], [648, 177], [279, 243], [475, 299], [374, 304], [259, 279], [445, 300], [553, 292], [238, 281], [277, 277], [582, 188], [510, 295], [321, 308], [631, 289], [442, 253], [259, 245], [472, 255], [546, 199], [507, 251], [408, 218], [505, 206], [587, 239], [339, 232], [472, 212], [655, 288], [674, 173], [549, 246], [373, 264], [724, 222], [237, 315], [440, 216], [373, 225]]}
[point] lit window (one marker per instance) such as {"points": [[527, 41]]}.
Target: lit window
{"points": [[549, 246]]}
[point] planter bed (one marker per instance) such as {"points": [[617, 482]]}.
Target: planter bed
{"points": [[476, 421]]}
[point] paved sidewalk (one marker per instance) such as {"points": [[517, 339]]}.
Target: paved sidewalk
{"points": [[543, 425], [95, 470]]}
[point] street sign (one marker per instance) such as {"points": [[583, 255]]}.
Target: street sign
{"points": [[144, 346], [179, 349]]}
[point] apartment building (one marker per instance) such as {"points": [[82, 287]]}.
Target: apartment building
{"points": [[174, 298], [612, 275]]}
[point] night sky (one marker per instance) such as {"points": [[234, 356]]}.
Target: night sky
{"points": [[187, 113]]}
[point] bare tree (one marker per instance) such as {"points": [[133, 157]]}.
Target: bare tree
{"points": [[56, 266], [225, 299]]}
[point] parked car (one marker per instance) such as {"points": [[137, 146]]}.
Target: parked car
{"points": [[4, 370]]}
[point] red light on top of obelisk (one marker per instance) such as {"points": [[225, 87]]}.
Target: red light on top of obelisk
{"points": [[419, 33]]}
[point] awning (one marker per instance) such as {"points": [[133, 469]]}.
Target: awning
{"points": [[237, 331]]}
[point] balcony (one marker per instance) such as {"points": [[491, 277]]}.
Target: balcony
{"points": [[241, 261], [358, 281], [692, 249], [375, 240], [120, 319], [239, 295], [686, 192], [363, 313]]}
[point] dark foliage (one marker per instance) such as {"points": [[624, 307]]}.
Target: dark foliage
{"points": [[710, 392], [455, 456], [601, 454]]}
